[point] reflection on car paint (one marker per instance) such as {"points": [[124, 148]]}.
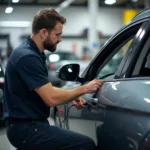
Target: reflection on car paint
{"points": [[128, 111], [134, 95]]}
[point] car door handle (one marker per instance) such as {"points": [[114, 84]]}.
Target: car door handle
{"points": [[93, 101]]}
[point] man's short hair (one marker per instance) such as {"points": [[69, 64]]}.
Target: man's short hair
{"points": [[46, 18]]}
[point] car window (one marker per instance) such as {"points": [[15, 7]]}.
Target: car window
{"points": [[145, 69], [114, 61], [142, 68], [111, 59]]}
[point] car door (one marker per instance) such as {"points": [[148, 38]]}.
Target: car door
{"points": [[124, 95]]}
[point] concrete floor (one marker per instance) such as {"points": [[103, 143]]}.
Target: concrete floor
{"points": [[4, 143]]}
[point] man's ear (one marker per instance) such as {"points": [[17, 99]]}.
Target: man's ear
{"points": [[43, 34]]}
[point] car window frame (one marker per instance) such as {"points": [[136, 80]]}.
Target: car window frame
{"points": [[88, 73], [140, 59], [133, 55]]}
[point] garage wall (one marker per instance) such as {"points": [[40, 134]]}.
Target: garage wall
{"points": [[108, 22]]}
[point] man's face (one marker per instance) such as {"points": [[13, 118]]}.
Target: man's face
{"points": [[53, 38]]}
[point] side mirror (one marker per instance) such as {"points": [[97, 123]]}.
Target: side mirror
{"points": [[69, 72]]}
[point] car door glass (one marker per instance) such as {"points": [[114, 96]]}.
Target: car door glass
{"points": [[142, 66], [109, 69], [144, 70]]}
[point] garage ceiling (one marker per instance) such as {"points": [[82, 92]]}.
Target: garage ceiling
{"points": [[119, 3]]}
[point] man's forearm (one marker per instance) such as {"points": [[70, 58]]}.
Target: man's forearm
{"points": [[56, 96], [63, 96]]}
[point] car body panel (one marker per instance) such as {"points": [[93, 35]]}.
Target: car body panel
{"points": [[127, 113], [133, 95], [143, 14]]}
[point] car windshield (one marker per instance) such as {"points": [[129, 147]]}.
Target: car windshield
{"points": [[55, 57]]}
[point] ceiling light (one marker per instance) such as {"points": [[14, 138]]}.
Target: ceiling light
{"points": [[110, 2], [147, 100], [9, 10], [64, 5], [15, 24], [134, 0], [15, 1]]}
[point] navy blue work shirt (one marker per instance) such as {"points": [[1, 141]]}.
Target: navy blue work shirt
{"points": [[26, 70]]}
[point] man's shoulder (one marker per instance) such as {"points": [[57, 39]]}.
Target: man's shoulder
{"points": [[21, 52]]}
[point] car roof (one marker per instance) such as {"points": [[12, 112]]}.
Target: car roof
{"points": [[142, 15]]}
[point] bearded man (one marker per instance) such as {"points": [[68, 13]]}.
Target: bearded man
{"points": [[29, 95]]}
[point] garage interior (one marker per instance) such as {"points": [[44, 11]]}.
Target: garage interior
{"points": [[90, 24]]}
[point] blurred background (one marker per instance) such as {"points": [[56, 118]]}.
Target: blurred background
{"points": [[90, 23]]}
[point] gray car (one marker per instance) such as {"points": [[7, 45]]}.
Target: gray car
{"points": [[117, 116]]}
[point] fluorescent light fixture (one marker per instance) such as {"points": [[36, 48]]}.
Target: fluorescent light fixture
{"points": [[147, 100], [8, 10], [64, 5], [134, 0], [110, 2], [148, 82], [15, 1], [15, 23]]}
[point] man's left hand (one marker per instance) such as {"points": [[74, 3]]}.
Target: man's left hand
{"points": [[79, 103]]}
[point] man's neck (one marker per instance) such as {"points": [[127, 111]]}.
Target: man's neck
{"points": [[38, 42]]}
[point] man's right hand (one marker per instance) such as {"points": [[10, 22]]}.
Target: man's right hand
{"points": [[93, 86]]}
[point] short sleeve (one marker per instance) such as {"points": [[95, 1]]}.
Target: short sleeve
{"points": [[32, 71]]}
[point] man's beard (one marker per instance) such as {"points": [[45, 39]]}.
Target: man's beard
{"points": [[48, 46]]}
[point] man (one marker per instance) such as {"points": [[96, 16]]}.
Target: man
{"points": [[29, 94]]}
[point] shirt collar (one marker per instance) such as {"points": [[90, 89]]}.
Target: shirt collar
{"points": [[35, 48]]}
